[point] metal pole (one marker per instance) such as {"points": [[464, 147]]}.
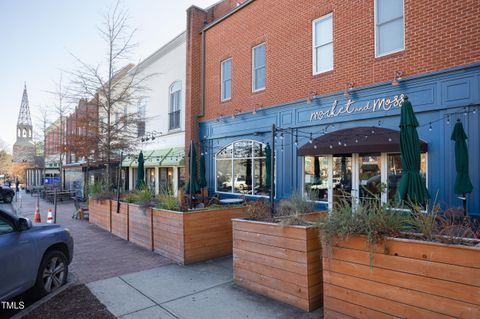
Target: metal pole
{"points": [[272, 172], [55, 206], [118, 182]]}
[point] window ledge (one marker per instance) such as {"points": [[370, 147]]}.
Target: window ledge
{"points": [[323, 73], [389, 55]]}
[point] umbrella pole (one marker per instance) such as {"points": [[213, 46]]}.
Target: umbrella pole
{"points": [[464, 204]]}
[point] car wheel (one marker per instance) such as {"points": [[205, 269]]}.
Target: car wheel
{"points": [[52, 273], [8, 199]]}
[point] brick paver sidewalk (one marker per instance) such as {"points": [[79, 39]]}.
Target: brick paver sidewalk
{"points": [[98, 254]]}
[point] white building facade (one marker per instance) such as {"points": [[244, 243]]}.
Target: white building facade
{"points": [[161, 127]]}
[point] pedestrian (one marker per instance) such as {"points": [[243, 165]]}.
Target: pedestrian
{"points": [[9, 183], [17, 188]]}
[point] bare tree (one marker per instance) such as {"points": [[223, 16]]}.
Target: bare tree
{"points": [[5, 160], [61, 108], [117, 86], [40, 135]]}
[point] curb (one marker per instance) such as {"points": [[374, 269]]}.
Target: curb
{"points": [[73, 280]]}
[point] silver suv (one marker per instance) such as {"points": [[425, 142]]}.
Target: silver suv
{"points": [[32, 256]]}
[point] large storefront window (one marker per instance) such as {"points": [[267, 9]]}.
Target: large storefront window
{"points": [[316, 178], [370, 173], [394, 173], [241, 169], [342, 178], [361, 176]]}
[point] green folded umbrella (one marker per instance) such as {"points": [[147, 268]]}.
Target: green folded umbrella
{"points": [[203, 180], [192, 186], [140, 172], [411, 188], [463, 184]]}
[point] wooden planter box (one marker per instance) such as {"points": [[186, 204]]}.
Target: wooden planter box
{"points": [[185, 237], [407, 279], [281, 262], [189, 237], [140, 224], [99, 213], [120, 220]]}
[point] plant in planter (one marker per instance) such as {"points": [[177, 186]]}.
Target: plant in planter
{"points": [[98, 191], [380, 262], [166, 200], [279, 256]]}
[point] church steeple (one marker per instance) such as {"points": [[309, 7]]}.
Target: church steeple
{"points": [[24, 122], [23, 149]]}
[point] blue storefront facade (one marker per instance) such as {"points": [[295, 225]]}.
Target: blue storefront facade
{"points": [[439, 99]]}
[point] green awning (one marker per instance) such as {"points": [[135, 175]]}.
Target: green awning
{"points": [[163, 157]]}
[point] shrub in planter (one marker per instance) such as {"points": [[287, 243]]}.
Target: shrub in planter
{"points": [[279, 256], [382, 263]]}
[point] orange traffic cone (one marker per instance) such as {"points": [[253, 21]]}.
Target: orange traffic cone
{"points": [[37, 218], [50, 216]]}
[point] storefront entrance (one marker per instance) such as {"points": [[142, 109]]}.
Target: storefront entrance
{"points": [[332, 174]]}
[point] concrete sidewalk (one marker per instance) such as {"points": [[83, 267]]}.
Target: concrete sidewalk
{"points": [[200, 291]]}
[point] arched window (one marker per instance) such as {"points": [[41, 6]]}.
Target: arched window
{"points": [[24, 132], [19, 132], [240, 168], [175, 93]]}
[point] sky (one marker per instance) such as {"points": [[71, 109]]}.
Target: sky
{"points": [[37, 39]]}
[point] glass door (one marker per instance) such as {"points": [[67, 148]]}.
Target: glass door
{"points": [[342, 178], [370, 176]]}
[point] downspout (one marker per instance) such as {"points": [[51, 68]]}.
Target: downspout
{"points": [[202, 78]]}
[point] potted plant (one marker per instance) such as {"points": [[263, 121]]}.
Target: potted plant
{"points": [[280, 256], [379, 262]]}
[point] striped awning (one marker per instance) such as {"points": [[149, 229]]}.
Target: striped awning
{"points": [[174, 156]]}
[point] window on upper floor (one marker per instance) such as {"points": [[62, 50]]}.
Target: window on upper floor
{"points": [[389, 27], [174, 105], [226, 86], [258, 67], [323, 44], [141, 110]]}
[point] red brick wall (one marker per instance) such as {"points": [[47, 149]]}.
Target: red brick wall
{"points": [[438, 35]]}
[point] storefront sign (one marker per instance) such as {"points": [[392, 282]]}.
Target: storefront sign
{"points": [[350, 107]]}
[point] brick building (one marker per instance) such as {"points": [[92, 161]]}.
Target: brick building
{"points": [[330, 77], [81, 144]]}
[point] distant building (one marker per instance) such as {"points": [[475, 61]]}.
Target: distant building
{"points": [[23, 149], [81, 146]]}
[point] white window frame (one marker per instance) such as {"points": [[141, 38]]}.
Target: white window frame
{"points": [[222, 80], [253, 68], [375, 31], [314, 46], [253, 170], [171, 92]]}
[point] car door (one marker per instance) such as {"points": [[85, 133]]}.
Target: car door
{"points": [[16, 251]]}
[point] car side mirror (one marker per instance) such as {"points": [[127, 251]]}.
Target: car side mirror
{"points": [[24, 223]]}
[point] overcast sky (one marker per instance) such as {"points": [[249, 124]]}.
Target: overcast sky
{"points": [[37, 36]]}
